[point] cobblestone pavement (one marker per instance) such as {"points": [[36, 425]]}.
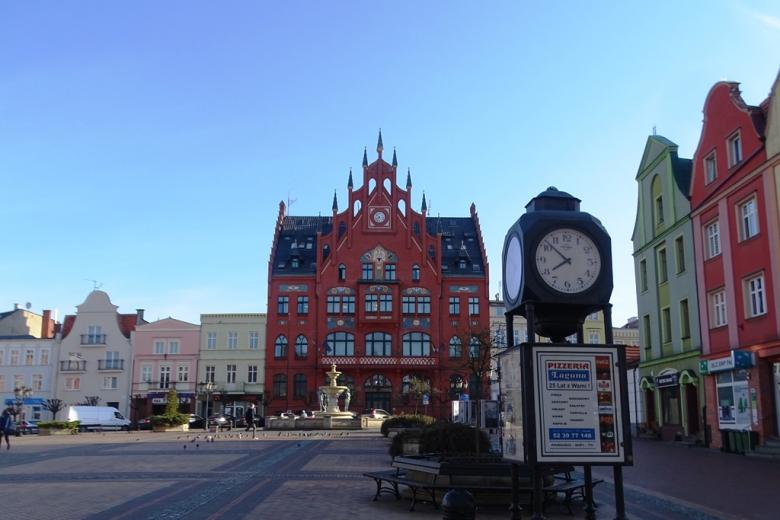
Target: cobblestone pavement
{"points": [[279, 476]]}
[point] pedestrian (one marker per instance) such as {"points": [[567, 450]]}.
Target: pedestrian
{"points": [[7, 427], [250, 420]]}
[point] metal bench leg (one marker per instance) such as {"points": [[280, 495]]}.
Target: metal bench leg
{"points": [[414, 497], [378, 488], [395, 490]]}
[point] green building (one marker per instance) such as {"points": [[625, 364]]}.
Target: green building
{"points": [[666, 295]]}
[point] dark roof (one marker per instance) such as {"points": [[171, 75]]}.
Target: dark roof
{"points": [[298, 242], [8, 313], [459, 241], [683, 169], [126, 322], [20, 336]]}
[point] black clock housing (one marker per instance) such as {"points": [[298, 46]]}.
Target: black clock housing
{"points": [[556, 313]]}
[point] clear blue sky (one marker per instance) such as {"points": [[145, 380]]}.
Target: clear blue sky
{"points": [[147, 144]]}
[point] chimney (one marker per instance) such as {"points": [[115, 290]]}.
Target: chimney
{"points": [[16, 306], [139, 319], [47, 327]]}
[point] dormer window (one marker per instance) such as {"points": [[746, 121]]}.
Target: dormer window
{"points": [[710, 168], [415, 273], [659, 210], [461, 264], [295, 263], [735, 149]]}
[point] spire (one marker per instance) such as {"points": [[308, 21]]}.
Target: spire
{"points": [[395, 160], [349, 182], [424, 204], [335, 202], [365, 157], [379, 147], [408, 178]]}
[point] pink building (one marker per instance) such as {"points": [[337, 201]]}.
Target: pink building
{"points": [[165, 355]]}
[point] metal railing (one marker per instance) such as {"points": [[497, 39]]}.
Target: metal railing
{"points": [[93, 339], [73, 366]]}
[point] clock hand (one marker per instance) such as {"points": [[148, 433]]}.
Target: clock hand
{"points": [[566, 261], [556, 250]]}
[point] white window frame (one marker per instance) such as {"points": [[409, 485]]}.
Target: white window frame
{"points": [[232, 340], [755, 296], [211, 341], [110, 383], [712, 236], [747, 218], [146, 373], [173, 346], [182, 373], [254, 340], [710, 174], [44, 357], [37, 382], [717, 303], [734, 143], [165, 376], [230, 374], [159, 347], [251, 374], [211, 373], [72, 383]]}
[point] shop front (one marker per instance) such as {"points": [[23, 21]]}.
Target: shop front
{"points": [[671, 394], [734, 404]]}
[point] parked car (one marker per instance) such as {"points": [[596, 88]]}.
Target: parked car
{"points": [[376, 413], [26, 427], [222, 421], [142, 424], [197, 422]]}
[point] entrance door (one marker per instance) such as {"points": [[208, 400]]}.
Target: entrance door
{"points": [[378, 392], [650, 409], [692, 409], [378, 400], [777, 395]]}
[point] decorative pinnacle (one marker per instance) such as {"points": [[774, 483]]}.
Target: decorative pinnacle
{"points": [[335, 202], [408, 178], [379, 147], [424, 204], [365, 157], [395, 160], [349, 182]]}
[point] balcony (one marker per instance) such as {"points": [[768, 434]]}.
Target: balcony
{"points": [[380, 361], [73, 366], [93, 339], [111, 364]]}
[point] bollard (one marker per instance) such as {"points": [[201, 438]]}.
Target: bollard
{"points": [[458, 504]]}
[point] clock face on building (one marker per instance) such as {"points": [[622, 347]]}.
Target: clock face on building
{"points": [[379, 217], [513, 269], [568, 260]]}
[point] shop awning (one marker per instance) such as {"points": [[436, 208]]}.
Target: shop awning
{"points": [[28, 401]]}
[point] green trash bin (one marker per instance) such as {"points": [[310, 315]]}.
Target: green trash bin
{"points": [[741, 442]]}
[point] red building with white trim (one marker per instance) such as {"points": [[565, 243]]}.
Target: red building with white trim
{"points": [[381, 291], [734, 200]]}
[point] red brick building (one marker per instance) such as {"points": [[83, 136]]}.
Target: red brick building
{"points": [[382, 291], [734, 201]]}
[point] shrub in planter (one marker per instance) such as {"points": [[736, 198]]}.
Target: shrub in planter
{"points": [[453, 439], [176, 419], [58, 425], [399, 441], [406, 421]]}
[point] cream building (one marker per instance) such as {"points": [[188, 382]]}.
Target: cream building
{"points": [[95, 355], [232, 358]]}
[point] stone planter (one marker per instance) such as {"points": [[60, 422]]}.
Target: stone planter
{"points": [[179, 428]]}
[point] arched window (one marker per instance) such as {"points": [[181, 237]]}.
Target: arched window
{"points": [[456, 347], [280, 347], [474, 347], [417, 344], [378, 344], [342, 272], [340, 344], [371, 185], [402, 207], [280, 385], [377, 382], [301, 346], [356, 208], [415, 273], [299, 386], [388, 187]]}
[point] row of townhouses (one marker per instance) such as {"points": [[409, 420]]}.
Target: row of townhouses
{"points": [[707, 262]]}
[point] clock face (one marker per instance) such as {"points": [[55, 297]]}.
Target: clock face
{"points": [[568, 260], [379, 217], [513, 269]]}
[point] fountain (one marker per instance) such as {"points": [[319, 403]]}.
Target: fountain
{"points": [[329, 397]]}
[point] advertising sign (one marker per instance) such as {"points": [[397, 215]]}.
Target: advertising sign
{"points": [[512, 402], [579, 410]]}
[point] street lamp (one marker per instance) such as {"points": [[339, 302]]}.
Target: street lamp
{"points": [[20, 394], [206, 388]]}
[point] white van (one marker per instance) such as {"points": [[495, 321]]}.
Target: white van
{"points": [[97, 417]]}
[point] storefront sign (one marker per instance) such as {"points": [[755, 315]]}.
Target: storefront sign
{"points": [[667, 380], [578, 404], [736, 359], [512, 403]]}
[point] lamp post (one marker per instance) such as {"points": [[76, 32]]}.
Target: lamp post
{"points": [[20, 394], [206, 388]]}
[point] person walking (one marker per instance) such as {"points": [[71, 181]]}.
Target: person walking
{"points": [[7, 427], [250, 420]]}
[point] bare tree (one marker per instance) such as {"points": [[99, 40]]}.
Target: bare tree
{"points": [[54, 406], [479, 356], [91, 400]]}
